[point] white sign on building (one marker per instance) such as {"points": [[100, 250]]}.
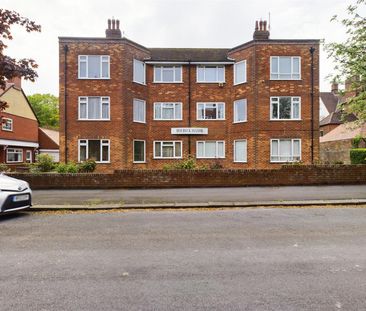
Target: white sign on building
{"points": [[189, 130]]}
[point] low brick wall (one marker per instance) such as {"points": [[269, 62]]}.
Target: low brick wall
{"points": [[288, 175]]}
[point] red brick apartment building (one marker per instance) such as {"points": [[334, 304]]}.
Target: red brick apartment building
{"points": [[131, 107]]}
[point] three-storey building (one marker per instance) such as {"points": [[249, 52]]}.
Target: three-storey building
{"points": [[128, 106]]}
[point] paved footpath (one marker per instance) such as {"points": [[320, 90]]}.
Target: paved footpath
{"points": [[200, 196]]}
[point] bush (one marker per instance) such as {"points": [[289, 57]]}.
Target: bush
{"points": [[4, 168], [44, 163], [216, 166], [87, 166], [358, 156], [70, 167]]}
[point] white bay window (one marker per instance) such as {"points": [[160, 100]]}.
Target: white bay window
{"points": [[94, 66], [94, 108], [139, 72], [240, 72], [14, 155]]}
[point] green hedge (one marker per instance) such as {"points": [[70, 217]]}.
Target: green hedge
{"points": [[358, 156]]}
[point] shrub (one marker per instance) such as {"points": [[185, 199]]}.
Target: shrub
{"points": [[61, 168], [70, 167], [44, 163], [216, 166], [358, 156], [188, 164], [356, 141], [4, 168], [87, 166]]}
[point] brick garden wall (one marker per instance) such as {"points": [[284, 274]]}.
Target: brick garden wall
{"points": [[285, 176]]}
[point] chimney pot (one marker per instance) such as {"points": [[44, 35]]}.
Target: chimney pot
{"points": [[113, 23], [117, 23], [109, 24], [113, 31], [261, 33], [256, 25]]}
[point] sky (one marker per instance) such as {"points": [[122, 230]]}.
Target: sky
{"points": [[168, 23]]}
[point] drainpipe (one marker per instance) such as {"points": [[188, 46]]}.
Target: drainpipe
{"points": [[66, 49], [189, 106], [312, 50]]}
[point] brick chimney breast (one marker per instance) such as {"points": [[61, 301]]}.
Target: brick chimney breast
{"points": [[113, 31], [261, 32]]}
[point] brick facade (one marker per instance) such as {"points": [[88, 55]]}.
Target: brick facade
{"points": [[121, 130]]}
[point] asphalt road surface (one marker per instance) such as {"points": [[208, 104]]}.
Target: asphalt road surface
{"points": [[254, 259], [196, 195]]}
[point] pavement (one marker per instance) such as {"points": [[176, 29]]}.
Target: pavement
{"points": [[247, 259], [199, 197]]}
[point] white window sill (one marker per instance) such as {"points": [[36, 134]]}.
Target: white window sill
{"points": [[211, 82], [285, 79], [168, 82], [276, 120], [167, 158], [210, 157], [235, 84], [5, 130], [93, 120], [211, 120], [141, 83], [168, 119], [295, 161], [240, 161], [139, 162], [141, 122], [236, 122], [79, 78]]}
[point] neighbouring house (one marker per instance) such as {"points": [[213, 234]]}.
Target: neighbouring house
{"points": [[19, 127], [335, 146], [49, 143], [133, 107]]}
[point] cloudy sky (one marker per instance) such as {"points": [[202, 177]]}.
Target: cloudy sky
{"points": [[168, 23]]}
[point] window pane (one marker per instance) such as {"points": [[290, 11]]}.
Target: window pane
{"points": [[168, 151], [94, 149], [240, 72], [139, 151], [220, 150], [82, 69], [178, 149], [105, 110], [285, 150], [239, 110], [138, 71], [168, 111], [221, 111], [94, 108], [221, 73], [295, 65], [201, 111], [178, 74], [296, 110], [105, 70], [274, 110], [210, 74], [138, 110], [274, 150], [240, 151], [157, 149], [105, 153], [210, 149], [296, 146], [82, 113], [93, 66], [82, 153], [157, 111], [157, 73], [285, 64], [200, 149], [168, 74], [210, 111], [200, 73], [285, 107], [178, 111], [274, 64]]}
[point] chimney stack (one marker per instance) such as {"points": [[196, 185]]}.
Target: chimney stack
{"points": [[261, 32], [334, 88], [16, 81], [113, 31]]}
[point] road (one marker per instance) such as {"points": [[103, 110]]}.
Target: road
{"points": [[252, 259], [196, 195]]}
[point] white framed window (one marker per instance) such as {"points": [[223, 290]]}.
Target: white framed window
{"points": [[240, 111], [210, 149], [7, 124], [28, 156], [94, 108], [139, 151], [14, 155], [167, 149], [168, 74], [97, 149], [139, 72], [285, 67], [167, 111], [210, 111], [240, 150], [240, 72], [285, 150], [94, 66], [285, 108], [139, 111], [210, 74]]}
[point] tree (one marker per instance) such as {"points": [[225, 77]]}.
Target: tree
{"points": [[350, 58], [10, 67], [46, 108]]}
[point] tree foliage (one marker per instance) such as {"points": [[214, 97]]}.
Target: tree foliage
{"points": [[11, 67], [350, 57], [46, 108]]}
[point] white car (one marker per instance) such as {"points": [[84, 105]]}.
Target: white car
{"points": [[15, 194]]}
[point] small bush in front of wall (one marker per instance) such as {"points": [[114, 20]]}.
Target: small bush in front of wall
{"points": [[87, 166], [70, 167], [44, 163], [358, 156], [216, 166], [4, 168]]}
